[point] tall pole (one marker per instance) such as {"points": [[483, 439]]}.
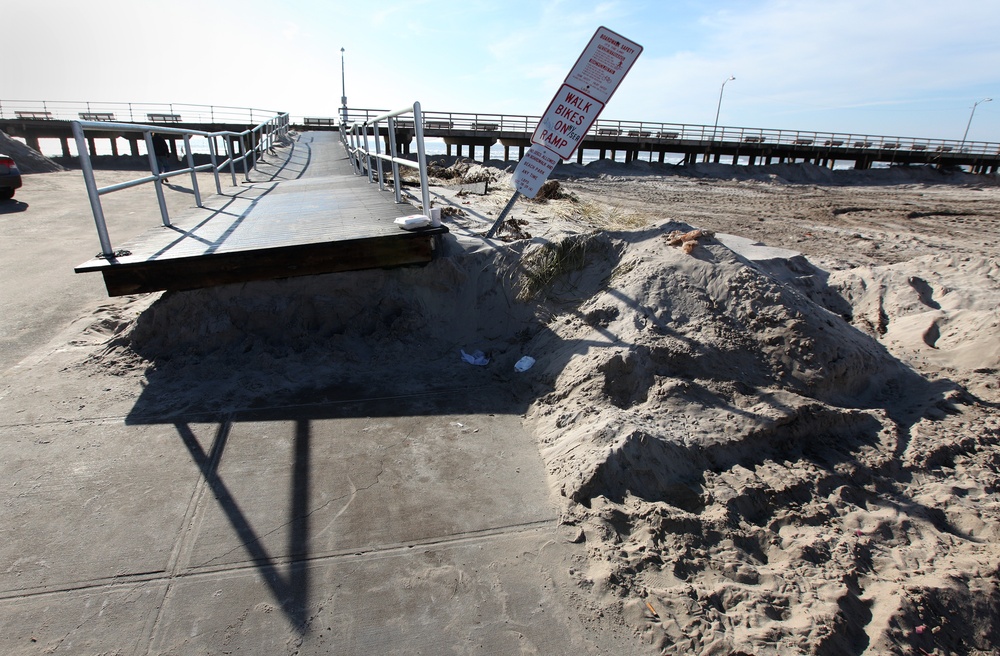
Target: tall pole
{"points": [[343, 90], [718, 108], [976, 104]]}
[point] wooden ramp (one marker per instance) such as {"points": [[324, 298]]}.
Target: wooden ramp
{"points": [[333, 221]]}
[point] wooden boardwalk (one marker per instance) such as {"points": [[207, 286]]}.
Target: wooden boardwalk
{"points": [[324, 219]]}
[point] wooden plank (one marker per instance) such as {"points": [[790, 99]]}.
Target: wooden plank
{"points": [[270, 264]]}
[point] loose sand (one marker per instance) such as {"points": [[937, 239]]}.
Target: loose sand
{"points": [[755, 451]]}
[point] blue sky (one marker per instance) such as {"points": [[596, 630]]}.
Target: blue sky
{"points": [[884, 67]]}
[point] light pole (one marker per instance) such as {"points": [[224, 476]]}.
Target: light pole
{"points": [[974, 105], [718, 108], [343, 91]]}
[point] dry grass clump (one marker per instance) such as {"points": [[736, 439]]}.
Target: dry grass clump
{"points": [[552, 190], [542, 265], [603, 217]]}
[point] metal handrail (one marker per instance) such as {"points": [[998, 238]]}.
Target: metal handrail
{"points": [[652, 131], [258, 139], [132, 112], [355, 139]]}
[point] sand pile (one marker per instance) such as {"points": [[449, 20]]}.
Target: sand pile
{"points": [[733, 448], [315, 338], [28, 159], [939, 311]]}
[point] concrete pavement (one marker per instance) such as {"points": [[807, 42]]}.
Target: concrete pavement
{"points": [[417, 524]]}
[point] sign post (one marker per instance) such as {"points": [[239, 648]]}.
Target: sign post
{"points": [[580, 100]]}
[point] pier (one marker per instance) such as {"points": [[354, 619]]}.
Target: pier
{"points": [[474, 135]]}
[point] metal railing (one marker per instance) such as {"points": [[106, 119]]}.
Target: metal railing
{"points": [[356, 141], [252, 143], [666, 133], [130, 112]]}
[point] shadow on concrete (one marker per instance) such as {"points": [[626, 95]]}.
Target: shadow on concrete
{"points": [[291, 588], [12, 206]]}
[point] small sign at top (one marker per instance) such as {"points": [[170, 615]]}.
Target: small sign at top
{"points": [[603, 64]]}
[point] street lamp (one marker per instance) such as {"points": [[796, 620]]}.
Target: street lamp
{"points": [[974, 105], [343, 91], [719, 106]]}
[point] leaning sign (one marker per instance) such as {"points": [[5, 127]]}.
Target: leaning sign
{"points": [[575, 107], [587, 89]]}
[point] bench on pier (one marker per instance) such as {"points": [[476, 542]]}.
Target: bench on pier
{"points": [[803, 142], [437, 125], [890, 145], [638, 133], [97, 116], [918, 147], [316, 121], [753, 139], [45, 116], [163, 118], [668, 135], [608, 132], [862, 144], [833, 142], [943, 149], [489, 127]]}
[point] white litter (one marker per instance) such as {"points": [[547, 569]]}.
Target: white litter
{"points": [[524, 363], [413, 221], [477, 358]]}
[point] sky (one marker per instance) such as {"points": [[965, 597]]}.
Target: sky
{"points": [[909, 68]]}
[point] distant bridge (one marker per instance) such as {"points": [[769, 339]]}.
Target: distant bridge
{"points": [[471, 134]]}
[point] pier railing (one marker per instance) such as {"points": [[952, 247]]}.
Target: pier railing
{"points": [[130, 112], [445, 123], [251, 144], [363, 143]]}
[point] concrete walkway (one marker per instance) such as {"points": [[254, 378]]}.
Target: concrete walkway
{"points": [[413, 525]]}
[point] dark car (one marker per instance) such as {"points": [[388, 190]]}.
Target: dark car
{"points": [[10, 177]]}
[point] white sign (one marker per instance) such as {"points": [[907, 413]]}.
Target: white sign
{"points": [[566, 121], [580, 100], [533, 170], [587, 89], [603, 64]]}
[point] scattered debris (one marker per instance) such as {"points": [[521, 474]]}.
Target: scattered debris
{"points": [[477, 358], [525, 363], [688, 240]]}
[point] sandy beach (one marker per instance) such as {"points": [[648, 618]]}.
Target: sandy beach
{"points": [[765, 399]]}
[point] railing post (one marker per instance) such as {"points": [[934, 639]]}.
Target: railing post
{"points": [[95, 197], [394, 152], [215, 163], [154, 166], [243, 156], [231, 154], [425, 196], [378, 160], [194, 174], [368, 154]]}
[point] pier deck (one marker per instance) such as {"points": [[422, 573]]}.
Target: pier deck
{"points": [[324, 219]]}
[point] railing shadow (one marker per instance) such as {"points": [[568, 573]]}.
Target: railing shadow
{"points": [[291, 588]]}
